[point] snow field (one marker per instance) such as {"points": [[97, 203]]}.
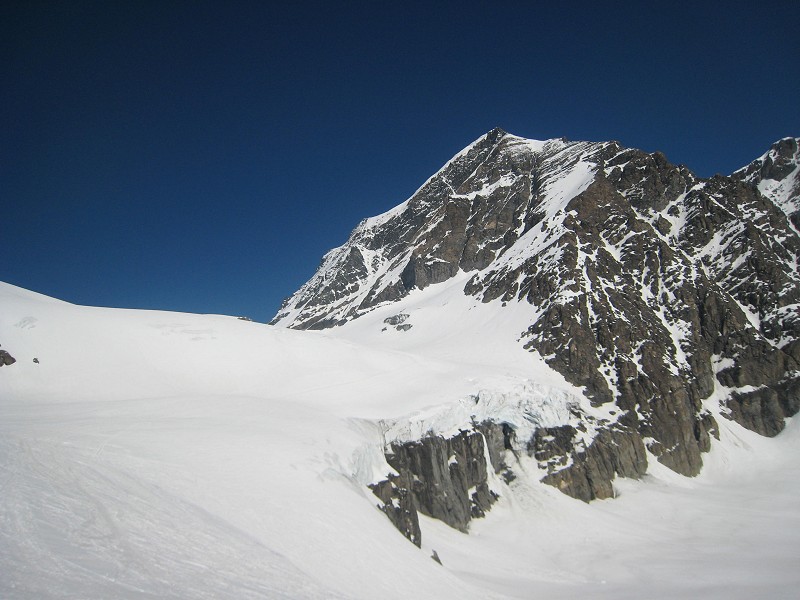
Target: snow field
{"points": [[163, 455]]}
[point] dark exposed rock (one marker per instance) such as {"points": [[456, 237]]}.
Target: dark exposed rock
{"points": [[443, 478], [398, 504], [759, 410], [499, 437], [396, 319], [587, 473], [398, 322], [705, 428], [6, 358]]}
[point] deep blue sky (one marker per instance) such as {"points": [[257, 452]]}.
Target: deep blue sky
{"points": [[203, 156]]}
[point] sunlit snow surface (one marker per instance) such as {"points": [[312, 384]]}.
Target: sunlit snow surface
{"points": [[162, 455]]}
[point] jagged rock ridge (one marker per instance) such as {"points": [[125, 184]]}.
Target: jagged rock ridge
{"points": [[652, 287], [444, 478]]}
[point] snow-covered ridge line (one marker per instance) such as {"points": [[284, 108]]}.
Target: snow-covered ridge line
{"points": [[374, 265]]}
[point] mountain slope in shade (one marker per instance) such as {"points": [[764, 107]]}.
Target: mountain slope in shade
{"points": [[668, 299]]}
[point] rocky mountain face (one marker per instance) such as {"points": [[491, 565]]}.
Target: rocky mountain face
{"points": [[652, 288], [777, 176], [443, 478]]}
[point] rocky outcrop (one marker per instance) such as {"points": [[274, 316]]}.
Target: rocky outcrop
{"points": [[6, 358], [449, 478], [765, 409], [443, 478], [587, 472], [398, 322], [650, 288]]}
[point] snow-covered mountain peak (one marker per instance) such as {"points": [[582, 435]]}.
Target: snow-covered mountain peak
{"points": [[645, 285], [462, 218]]}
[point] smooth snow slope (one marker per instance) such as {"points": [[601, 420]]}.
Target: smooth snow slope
{"points": [[163, 455]]}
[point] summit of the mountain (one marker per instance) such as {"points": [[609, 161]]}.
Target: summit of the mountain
{"points": [[461, 218], [670, 300]]}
